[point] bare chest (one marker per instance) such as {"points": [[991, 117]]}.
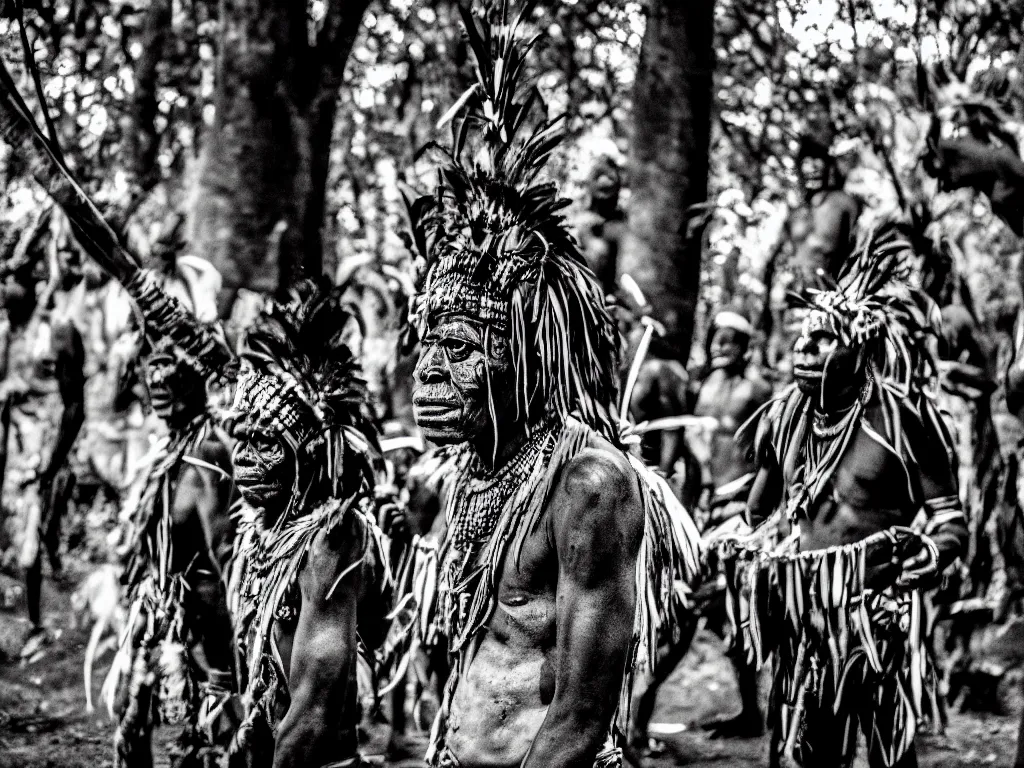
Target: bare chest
{"points": [[731, 400], [524, 596], [871, 489]]}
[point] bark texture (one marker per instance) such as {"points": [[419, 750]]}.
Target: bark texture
{"points": [[266, 158], [668, 163], [142, 143]]}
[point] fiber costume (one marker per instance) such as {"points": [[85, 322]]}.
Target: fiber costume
{"points": [[496, 248], [165, 682], [847, 640], [300, 383]]}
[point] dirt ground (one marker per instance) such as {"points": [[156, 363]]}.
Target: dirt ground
{"points": [[43, 722]]}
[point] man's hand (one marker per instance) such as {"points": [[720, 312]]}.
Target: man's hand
{"points": [[921, 568], [392, 515]]}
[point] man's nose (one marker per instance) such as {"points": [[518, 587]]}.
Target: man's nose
{"points": [[802, 344], [430, 367]]}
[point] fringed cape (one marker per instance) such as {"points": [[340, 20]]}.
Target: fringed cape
{"points": [[161, 675], [459, 606], [264, 587]]}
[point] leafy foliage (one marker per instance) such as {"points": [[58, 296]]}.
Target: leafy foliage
{"points": [[870, 69]]}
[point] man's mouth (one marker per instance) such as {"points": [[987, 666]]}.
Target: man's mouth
{"points": [[432, 409], [256, 493], [249, 475], [807, 371]]}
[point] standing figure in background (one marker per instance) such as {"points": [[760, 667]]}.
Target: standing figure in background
{"points": [[601, 228], [846, 460], [730, 395], [178, 546], [54, 371], [825, 233], [819, 235]]}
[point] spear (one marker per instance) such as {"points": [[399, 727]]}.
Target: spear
{"points": [[162, 316]]}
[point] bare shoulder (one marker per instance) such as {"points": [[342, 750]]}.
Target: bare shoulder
{"points": [[344, 546], [599, 488]]}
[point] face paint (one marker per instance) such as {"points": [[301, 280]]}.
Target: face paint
{"points": [[817, 342], [821, 359], [264, 471], [450, 393]]}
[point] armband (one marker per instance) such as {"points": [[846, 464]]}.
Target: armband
{"points": [[942, 510]]}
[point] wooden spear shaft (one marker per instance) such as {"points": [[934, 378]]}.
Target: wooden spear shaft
{"points": [[93, 233], [164, 317]]}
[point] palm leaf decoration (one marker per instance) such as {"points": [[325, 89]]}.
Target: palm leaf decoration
{"points": [[494, 242], [876, 308]]}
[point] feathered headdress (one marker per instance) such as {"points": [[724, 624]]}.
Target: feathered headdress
{"points": [[876, 309], [495, 242], [301, 382]]}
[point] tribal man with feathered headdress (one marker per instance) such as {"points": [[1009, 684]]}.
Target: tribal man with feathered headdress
{"points": [[311, 564], [176, 660], [561, 552], [848, 459]]}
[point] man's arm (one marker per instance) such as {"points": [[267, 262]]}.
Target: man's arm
{"points": [[320, 725], [597, 526], [69, 372], [937, 490], [766, 492]]}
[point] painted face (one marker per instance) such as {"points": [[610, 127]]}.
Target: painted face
{"points": [[728, 346], [264, 470], [816, 344], [820, 359], [450, 391]]}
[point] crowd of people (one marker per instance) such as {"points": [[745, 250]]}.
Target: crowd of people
{"points": [[528, 527]]}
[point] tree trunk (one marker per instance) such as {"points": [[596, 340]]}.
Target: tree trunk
{"points": [[668, 163], [265, 159], [142, 142]]}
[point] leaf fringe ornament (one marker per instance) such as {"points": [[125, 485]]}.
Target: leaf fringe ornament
{"points": [[863, 620]]}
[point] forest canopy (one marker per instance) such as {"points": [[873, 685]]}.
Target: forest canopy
{"points": [[131, 89]]}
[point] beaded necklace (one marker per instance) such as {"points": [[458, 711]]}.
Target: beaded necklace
{"points": [[823, 450], [483, 495]]}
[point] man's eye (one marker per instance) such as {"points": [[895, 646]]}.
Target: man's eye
{"points": [[457, 350]]}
